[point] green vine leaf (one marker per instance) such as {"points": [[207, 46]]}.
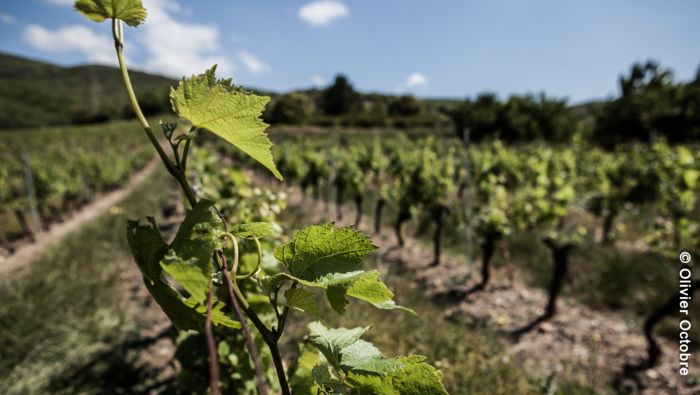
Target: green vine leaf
{"points": [[319, 250], [198, 235], [187, 314], [129, 11], [303, 300], [414, 377], [187, 260], [332, 342], [363, 356], [147, 246], [255, 229], [361, 285], [329, 258], [227, 111], [367, 371], [302, 378], [192, 274]]}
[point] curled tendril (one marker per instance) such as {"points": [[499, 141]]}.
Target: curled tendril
{"points": [[234, 265]]}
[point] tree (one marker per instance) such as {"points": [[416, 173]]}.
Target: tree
{"points": [[404, 106], [648, 105], [481, 116], [520, 118], [293, 108], [340, 98]]}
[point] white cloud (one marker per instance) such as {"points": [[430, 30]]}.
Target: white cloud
{"points": [[323, 12], [168, 46], [75, 38], [252, 63], [179, 48], [318, 81], [416, 80], [7, 18]]}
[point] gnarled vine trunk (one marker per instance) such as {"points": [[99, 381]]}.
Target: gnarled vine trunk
{"points": [[438, 214], [488, 247], [24, 224], [401, 218], [560, 255], [358, 209], [339, 202], [607, 227], [665, 310], [378, 215]]}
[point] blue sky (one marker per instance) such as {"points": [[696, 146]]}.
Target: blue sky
{"points": [[440, 48]]}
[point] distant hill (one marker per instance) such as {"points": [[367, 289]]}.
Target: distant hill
{"points": [[34, 93]]}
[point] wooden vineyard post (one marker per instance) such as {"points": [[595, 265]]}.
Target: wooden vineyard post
{"points": [[468, 199], [31, 193]]}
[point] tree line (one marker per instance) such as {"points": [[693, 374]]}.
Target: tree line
{"points": [[651, 104]]}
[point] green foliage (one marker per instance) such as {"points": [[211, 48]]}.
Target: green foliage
{"points": [[319, 257], [340, 98], [319, 250], [35, 94], [355, 366], [404, 106], [520, 118], [129, 11], [69, 172], [227, 111], [651, 105], [256, 229], [187, 260], [329, 258], [293, 108]]}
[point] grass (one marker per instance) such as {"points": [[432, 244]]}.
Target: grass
{"points": [[56, 320]]}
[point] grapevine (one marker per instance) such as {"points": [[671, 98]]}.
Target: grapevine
{"points": [[183, 276]]}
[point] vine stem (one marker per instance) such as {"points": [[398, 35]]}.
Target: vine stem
{"points": [[268, 336], [178, 173], [214, 376], [173, 169], [250, 344]]}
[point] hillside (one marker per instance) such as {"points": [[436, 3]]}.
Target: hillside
{"points": [[34, 93]]}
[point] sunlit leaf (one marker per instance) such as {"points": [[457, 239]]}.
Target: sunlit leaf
{"points": [[129, 11], [227, 111]]}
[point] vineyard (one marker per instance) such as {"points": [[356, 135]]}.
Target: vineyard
{"points": [[42, 183], [479, 247]]}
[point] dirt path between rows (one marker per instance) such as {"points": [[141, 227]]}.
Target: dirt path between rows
{"points": [[589, 344], [23, 256]]}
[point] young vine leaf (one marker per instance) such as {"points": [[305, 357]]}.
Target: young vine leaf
{"points": [[415, 377], [367, 370], [227, 111], [329, 258], [187, 261], [254, 229], [319, 250], [303, 300], [333, 342], [129, 11]]}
